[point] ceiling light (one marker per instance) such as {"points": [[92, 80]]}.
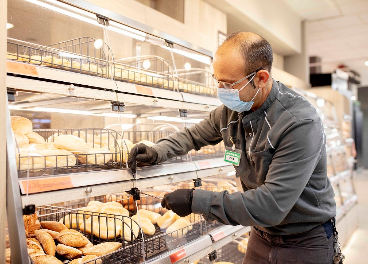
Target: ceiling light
{"points": [[353, 97], [320, 102], [174, 119], [98, 43], [8, 25], [146, 64], [366, 63], [86, 18], [187, 66], [197, 57]]}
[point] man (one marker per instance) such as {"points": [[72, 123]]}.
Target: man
{"points": [[287, 198]]}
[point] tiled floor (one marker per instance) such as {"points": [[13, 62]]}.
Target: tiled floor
{"points": [[357, 246]]}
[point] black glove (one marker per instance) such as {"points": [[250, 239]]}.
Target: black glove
{"points": [[179, 201], [141, 153]]}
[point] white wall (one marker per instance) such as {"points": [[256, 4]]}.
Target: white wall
{"points": [[201, 22]]}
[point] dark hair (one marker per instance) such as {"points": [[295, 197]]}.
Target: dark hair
{"points": [[256, 52]]}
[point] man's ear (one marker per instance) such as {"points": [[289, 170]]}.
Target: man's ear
{"points": [[262, 78]]}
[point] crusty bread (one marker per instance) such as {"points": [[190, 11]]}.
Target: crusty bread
{"points": [[31, 224], [102, 249], [72, 238], [150, 215], [87, 259], [95, 156], [166, 220], [68, 252], [34, 244], [53, 234], [35, 138], [145, 223], [45, 259], [130, 229], [71, 143], [53, 225], [21, 125], [86, 246], [46, 241], [72, 220], [179, 228], [21, 139]]}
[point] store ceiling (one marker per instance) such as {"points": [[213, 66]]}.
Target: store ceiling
{"points": [[337, 31]]}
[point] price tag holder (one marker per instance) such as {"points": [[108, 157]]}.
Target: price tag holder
{"points": [[232, 156], [178, 255]]}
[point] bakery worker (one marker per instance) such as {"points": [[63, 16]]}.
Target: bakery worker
{"points": [[287, 198]]}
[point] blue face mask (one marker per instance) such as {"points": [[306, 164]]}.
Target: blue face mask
{"points": [[230, 98]]}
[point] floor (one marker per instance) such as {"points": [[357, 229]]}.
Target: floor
{"points": [[357, 245]]}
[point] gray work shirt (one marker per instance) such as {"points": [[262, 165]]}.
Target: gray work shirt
{"points": [[282, 167]]}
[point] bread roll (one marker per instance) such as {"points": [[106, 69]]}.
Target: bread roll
{"points": [[166, 220], [43, 146], [31, 224], [45, 259], [33, 243], [46, 241], [35, 138], [21, 125], [103, 248], [71, 143], [87, 259], [80, 134], [29, 160], [102, 227], [89, 244], [68, 252], [150, 215], [72, 221], [95, 156], [242, 246], [179, 228], [145, 223], [21, 139], [112, 210], [53, 225], [58, 157], [53, 137], [114, 203], [72, 238], [122, 149], [130, 229], [53, 234]]}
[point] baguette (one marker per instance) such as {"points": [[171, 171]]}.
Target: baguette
{"points": [[53, 225], [46, 241]]}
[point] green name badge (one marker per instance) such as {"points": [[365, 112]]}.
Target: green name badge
{"points": [[232, 157]]}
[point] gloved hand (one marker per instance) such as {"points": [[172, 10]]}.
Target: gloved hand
{"points": [[179, 201], [141, 153]]}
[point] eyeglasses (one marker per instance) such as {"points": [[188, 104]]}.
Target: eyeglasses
{"points": [[231, 85]]}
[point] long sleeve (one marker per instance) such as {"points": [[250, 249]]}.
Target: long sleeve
{"points": [[293, 162], [202, 134]]}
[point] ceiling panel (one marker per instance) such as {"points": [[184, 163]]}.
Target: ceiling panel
{"points": [[344, 21], [354, 7]]}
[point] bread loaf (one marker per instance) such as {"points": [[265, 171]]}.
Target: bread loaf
{"points": [[103, 248], [68, 252], [179, 228], [53, 225], [145, 223], [21, 125], [53, 234], [46, 241], [72, 238], [150, 215], [166, 220], [45, 259], [34, 137], [71, 143]]}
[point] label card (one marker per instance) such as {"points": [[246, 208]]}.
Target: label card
{"points": [[232, 157]]}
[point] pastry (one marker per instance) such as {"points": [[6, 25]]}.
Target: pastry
{"points": [[72, 238], [103, 248], [53, 234], [31, 224], [53, 225], [68, 252], [102, 227], [179, 228], [34, 137], [95, 156], [87, 259], [46, 241], [71, 143], [21, 139], [145, 223], [45, 259], [21, 125], [150, 215], [166, 220]]}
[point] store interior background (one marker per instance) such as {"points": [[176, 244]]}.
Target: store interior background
{"points": [[326, 38]]}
